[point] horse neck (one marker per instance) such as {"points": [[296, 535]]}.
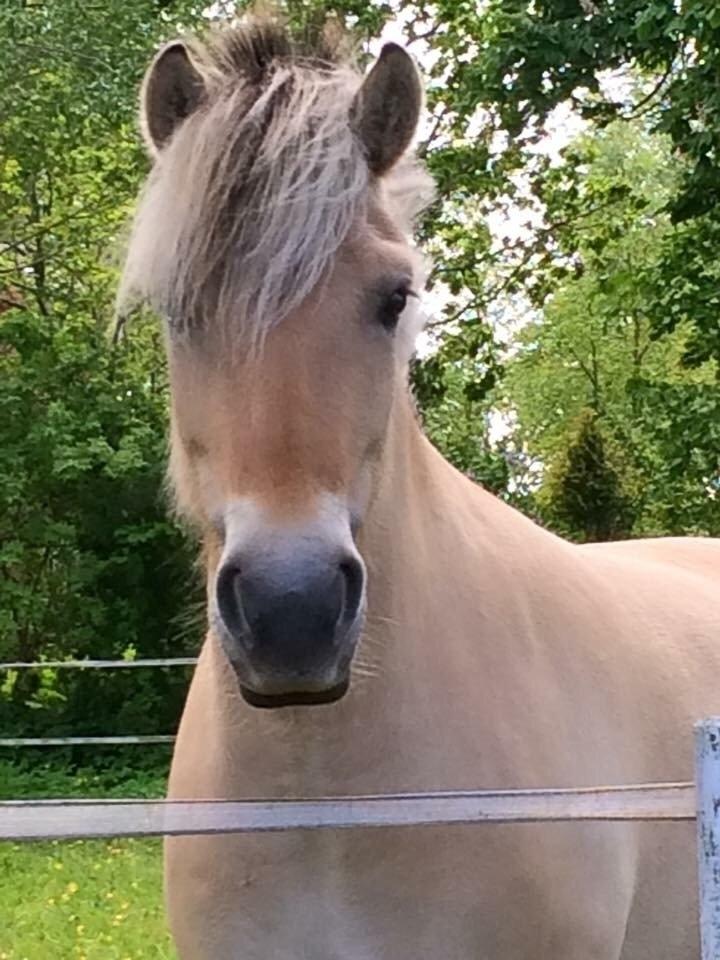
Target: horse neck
{"points": [[429, 522]]}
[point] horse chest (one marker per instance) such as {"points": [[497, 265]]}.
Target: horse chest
{"points": [[455, 893]]}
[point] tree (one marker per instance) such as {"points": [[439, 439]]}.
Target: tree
{"points": [[582, 495], [89, 564], [615, 267], [593, 349], [511, 64]]}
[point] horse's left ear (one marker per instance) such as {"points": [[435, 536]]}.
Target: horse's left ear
{"points": [[386, 108], [173, 87]]}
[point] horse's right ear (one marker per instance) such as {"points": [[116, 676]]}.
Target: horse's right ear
{"points": [[171, 90]]}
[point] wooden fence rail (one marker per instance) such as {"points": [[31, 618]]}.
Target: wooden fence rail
{"points": [[73, 819], [86, 741], [98, 664]]}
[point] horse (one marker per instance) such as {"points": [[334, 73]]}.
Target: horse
{"points": [[377, 622]]}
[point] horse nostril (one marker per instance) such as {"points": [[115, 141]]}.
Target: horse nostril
{"points": [[352, 572], [228, 599]]}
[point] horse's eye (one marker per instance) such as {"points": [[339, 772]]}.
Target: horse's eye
{"points": [[392, 306]]}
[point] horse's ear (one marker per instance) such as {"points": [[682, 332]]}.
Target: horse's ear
{"points": [[386, 108], [171, 90]]}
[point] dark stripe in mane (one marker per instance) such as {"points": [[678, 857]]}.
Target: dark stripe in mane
{"points": [[251, 198], [252, 51]]}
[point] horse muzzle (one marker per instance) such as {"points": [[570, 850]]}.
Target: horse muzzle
{"points": [[289, 612]]}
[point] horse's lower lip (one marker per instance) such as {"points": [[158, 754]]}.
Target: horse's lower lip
{"points": [[294, 698]]}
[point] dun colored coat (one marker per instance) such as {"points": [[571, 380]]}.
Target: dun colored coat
{"points": [[341, 549]]}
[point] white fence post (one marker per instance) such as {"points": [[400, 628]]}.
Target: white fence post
{"points": [[707, 778]]}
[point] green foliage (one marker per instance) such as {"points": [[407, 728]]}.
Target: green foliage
{"points": [[595, 347], [591, 327], [89, 564], [500, 69], [582, 490], [686, 286], [529, 58], [456, 418], [56, 777], [517, 62], [682, 477]]}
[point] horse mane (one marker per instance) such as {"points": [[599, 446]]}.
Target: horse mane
{"points": [[247, 205]]}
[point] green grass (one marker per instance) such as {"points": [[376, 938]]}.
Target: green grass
{"points": [[81, 900]]}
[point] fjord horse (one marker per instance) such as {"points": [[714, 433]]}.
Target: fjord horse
{"points": [[378, 623]]}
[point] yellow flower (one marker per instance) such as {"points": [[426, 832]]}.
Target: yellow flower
{"points": [[51, 902], [80, 929], [72, 887]]}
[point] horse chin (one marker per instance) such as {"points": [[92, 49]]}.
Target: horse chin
{"points": [[295, 698]]}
